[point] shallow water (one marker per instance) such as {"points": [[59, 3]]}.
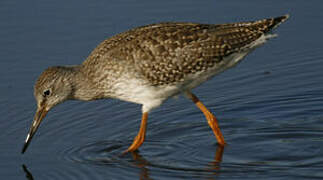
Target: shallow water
{"points": [[269, 106]]}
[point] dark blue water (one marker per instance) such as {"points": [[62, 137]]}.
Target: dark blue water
{"points": [[269, 106]]}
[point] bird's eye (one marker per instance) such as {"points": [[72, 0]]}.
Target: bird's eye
{"points": [[46, 93]]}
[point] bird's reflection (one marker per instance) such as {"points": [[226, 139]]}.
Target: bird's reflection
{"points": [[142, 163], [29, 176], [215, 165], [218, 155]]}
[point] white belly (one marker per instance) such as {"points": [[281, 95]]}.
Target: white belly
{"points": [[139, 91]]}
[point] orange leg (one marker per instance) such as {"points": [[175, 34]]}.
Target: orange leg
{"points": [[140, 138], [213, 123]]}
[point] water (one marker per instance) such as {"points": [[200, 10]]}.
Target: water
{"points": [[269, 106]]}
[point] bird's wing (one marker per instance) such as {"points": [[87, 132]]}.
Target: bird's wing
{"points": [[165, 53]]}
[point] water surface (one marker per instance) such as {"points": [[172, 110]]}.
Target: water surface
{"points": [[269, 106]]}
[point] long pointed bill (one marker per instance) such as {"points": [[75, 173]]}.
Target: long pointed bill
{"points": [[39, 116]]}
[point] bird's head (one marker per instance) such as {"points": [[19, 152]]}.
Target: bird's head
{"points": [[52, 88]]}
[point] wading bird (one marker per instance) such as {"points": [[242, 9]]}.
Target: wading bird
{"points": [[149, 64]]}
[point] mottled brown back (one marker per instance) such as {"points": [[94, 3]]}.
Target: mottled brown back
{"points": [[167, 52]]}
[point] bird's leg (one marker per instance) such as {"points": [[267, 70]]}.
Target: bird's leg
{"points": [[140, 138], [213, 123]]}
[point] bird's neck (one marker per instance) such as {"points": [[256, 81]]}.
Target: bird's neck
{"points": [[82, 87]]}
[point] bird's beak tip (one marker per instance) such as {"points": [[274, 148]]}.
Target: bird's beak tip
{"points": [[24, 148], [40, 114]]}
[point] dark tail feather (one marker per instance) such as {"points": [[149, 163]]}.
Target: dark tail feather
{"points": [[278, 20], [266, 25], [272, 23]]}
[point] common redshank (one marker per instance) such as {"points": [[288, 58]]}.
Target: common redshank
{"points": [[149, 64]]}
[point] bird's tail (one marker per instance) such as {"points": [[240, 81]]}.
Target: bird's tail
{"points": [[266, 25]]}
